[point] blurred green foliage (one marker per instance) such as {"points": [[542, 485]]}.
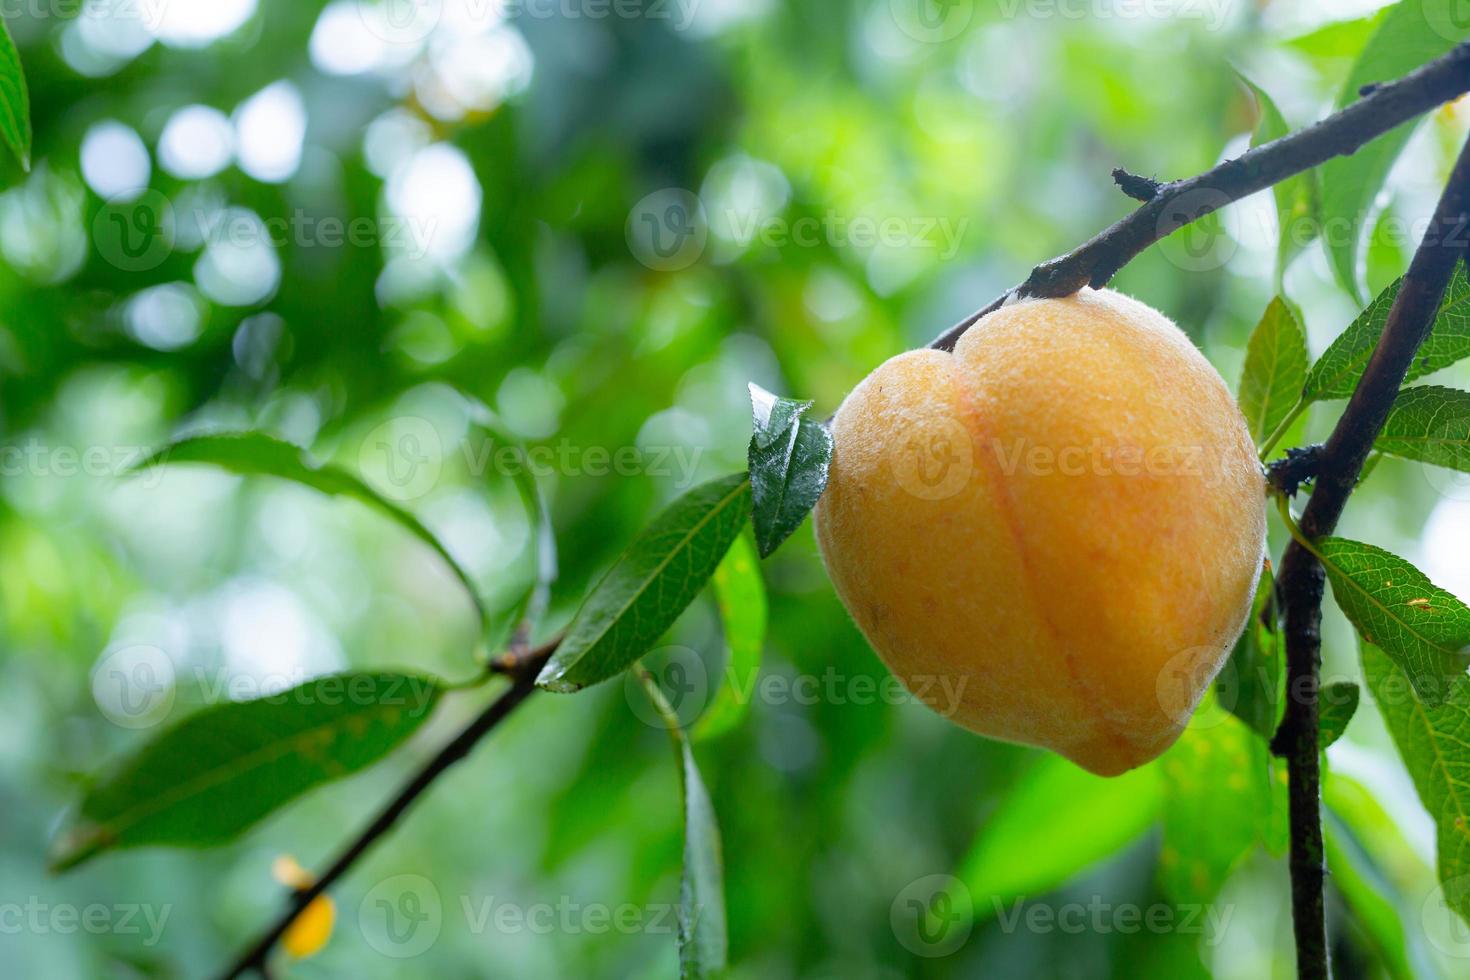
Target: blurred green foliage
{"points": [[166, 270]]}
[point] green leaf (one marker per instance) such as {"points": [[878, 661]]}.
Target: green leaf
{"points": [[650, 584], [1336, 373], [1429, 424], [703, 942], [1275, 370], [1296, 197], [1434, 741], [1250, 686], [1394, 606], [1337, 703], [1220, 801], [15, 101], [1031, 844], [257, 454], [1412, 33], [741, 596], [789, 457], [213, 775], [1375, 868]]}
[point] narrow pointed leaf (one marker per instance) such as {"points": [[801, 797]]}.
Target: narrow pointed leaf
{"points": [[1296, 197], [741, 596], [1434, 741], [650, 584], [1275, 370], [15, 101], [703, 935], [788, 466], [1425, 629], [1337, 703], [1411, 33], [1337, 371], [213, 775], [1431, 425], [257, 454]]}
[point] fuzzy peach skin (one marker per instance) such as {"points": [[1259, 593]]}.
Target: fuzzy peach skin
{"points": [[1052, 535]]}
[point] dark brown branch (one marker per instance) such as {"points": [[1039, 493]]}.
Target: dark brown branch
{"points": [[1180, 202], [1299, 587], [524, 682]]}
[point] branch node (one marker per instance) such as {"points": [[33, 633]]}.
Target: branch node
{"points": [[1135, 186], [1298, 466], [1367, 90]]}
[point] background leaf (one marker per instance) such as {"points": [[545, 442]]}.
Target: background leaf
{"points": [[207, 779], [789, 457], [1337, 702], [1431, 425], [1394, 606], [1222, 796], [703, 940], [257, 454], [741, 596], [15, 101], [650, 584], [1412, 32], [1275, 370], [1337, 371], [1296, 197], [1250, 686], [1030, 845], [1434, 741]]}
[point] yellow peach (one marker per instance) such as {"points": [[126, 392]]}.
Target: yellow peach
{"points": [[1051, 535]]}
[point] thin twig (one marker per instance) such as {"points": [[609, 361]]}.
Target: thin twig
{"points": [[524, 682], [1177, 203], [1300, 584]]}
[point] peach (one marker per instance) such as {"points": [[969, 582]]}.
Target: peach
{"points": [[1051, 535]]}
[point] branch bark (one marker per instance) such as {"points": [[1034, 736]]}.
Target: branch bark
{"points": [[521, 666], [1300, 584], [1173, 205]]}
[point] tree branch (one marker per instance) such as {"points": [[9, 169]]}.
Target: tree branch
{"points": [[1300, 584], [1177, 203], [522, 668]]}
